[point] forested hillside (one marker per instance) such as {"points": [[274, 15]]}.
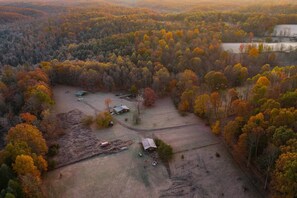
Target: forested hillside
{"points": [[74, 35], [247, 98]]}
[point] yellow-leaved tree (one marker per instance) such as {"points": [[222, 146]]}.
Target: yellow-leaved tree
{"points": [[24, 164], [216, 128], [202, 105], [29, 134], [284, 180]]}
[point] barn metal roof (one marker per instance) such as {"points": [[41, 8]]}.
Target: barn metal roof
{"points": [[148, 143]]}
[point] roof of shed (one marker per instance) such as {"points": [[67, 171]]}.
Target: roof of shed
{"points": [[148, 143]]}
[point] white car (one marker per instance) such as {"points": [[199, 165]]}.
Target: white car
{"points": [[154, 163]]}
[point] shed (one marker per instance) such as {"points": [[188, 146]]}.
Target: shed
{"points": [[121, 109], [125, 108], [80, 93], [148, 144]]}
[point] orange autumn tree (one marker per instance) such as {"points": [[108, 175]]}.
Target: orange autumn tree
{"points": [[216, 102], [255, 130], [216, 128], [29, 134], [28, 118], [240, 107], [29, 176], [31, 186], [254, 52], [284, 181], [187, 99], [40, 163], [216, 80], [202, 106], [26, 139], [263, 81], [241, 148], [24, 164], [149, 97], [187, 79], [107, 103], [37, 92], [232, 131]]}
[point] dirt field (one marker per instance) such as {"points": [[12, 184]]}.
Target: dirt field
{"points": [[202, 173], [206, 170]]}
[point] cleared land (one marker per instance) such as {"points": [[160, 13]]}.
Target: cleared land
{"points": [[204, 174], [285, 29], [118, 175], [79, 142], [200, 174]]}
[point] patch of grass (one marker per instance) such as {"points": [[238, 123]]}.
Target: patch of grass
{"points": [[164, 150], [182, 113], [53, 150], [103, 119], [87, 121], [51, 164]]}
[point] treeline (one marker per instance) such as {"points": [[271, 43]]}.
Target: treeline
{"points": [[258, 23], [15, 12], [271, 8], [43, 40], [47, 7], [203, 5], [154, 59], [263, 131], [88, 31], [25, 99], [23, 11], [8, 17]]}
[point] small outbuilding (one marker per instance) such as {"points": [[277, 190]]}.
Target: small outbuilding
{"points": [[120, 109], [80, 93], [148, 144]]}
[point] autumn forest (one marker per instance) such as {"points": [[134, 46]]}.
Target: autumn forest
{"points": [[248, 99]]}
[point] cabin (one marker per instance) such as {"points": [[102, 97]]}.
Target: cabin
{"points": [[120, 109], [80, 93], [148, 144]]}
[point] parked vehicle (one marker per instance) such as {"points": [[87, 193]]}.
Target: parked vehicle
{"points": [[104, 144], [110, 124], [124, 148]]}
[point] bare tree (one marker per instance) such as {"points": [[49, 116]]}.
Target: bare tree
{"points": [[107, 102], [139, 101]]}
